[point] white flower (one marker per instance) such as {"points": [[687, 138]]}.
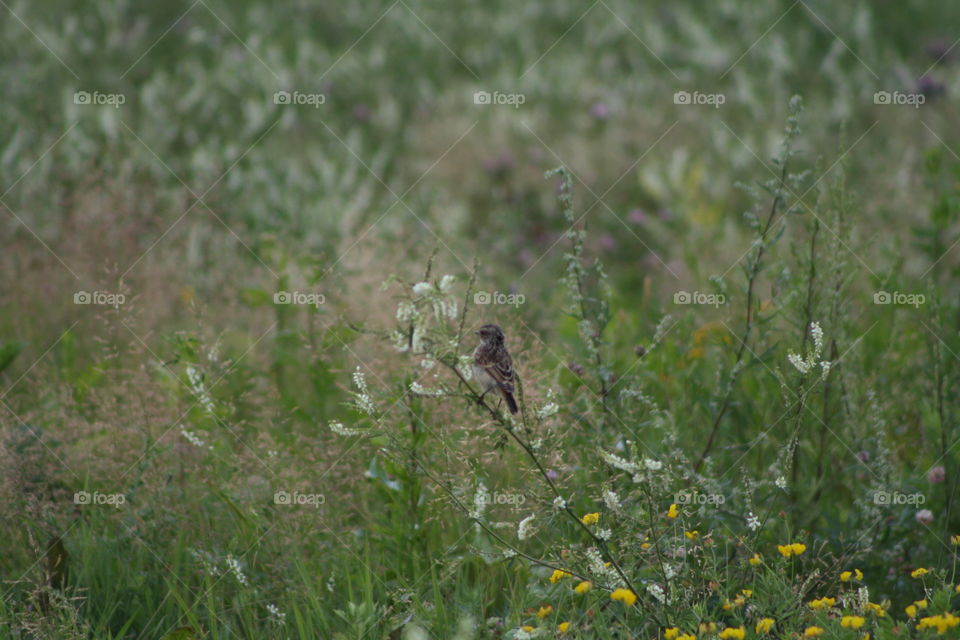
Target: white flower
{"points": [[781, 483], [604, 534], [548, 410], [422, 289], [275, 614], [753, 522], [427, 363], [525, 528], [446, 283], [406, 312], [420, 390], [619, 463], [812, 360], [192, 437], [234, 566], [652, 465], [340, 430], [657, 592], [362, 395], [612, 500], [559, 503], [480, 501]]}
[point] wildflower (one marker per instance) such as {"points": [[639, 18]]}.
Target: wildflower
{"points": [[856, 574], [604, 534], [193, 438], [673, 512], [692, 535], [480, 501], [544, 611], [936, 475], [957, 588], [941, 622], [911, 610], [559, 574], [753, 522], [919, 573], [812, 632], [795, 549], [645, 545], [612, 500], [563, 627], [687, 636], [671, 633], [559, 503], [362, 395], [340, 430], [590, 518], [852, 622], [422, 288], [822, 603], [921, 604], [812, 359], [652, 465], [525, 528], [624, 595], [877, 609], [707, 627], [657, 592], [583, 587], [275, 614], [755, 559], [924, 516], [764, 625], [733, 633], [781, 483], [234, 566], [955, 541]]}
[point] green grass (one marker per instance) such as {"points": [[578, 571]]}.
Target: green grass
{"points": [[199, 399]]}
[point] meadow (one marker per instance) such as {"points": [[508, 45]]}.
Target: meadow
{"points": [[246, 248]]}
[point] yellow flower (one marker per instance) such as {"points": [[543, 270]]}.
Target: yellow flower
{"points": [[765, 624], [545, 611], [794, 549], [563, 626], [692, 535], [645, 546], [708, 627], [671, 633], [687, 636], [673, 512], [624, 595], [527, 628], [851, 622], [940, 622], [755, 559], [822, 603], [559, 574], [590, 518], [877, 609], [733, 633], [957, 588], [911, 610], [955, 541], [812, 632], [747, 592], [919, 573], [583, 587]]}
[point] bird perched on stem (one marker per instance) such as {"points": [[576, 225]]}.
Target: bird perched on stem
{"points": [[492, 366]]}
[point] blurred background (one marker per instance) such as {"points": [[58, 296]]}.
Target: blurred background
{"points": [[167, 168]]}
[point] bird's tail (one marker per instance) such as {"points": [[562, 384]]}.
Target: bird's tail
{"points": [[511, 403]]}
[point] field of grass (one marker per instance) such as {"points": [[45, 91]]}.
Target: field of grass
{"points": [[246, 247]]}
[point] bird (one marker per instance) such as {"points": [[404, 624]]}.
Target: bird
{"points": [[492, 365]]}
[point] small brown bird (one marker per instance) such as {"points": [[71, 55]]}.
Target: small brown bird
{"points": [[492, 366]]}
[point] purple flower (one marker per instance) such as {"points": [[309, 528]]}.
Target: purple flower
{"points": [[607, 242], [936, 475], [600, 110], [362, 113], [637, 216], [930, 87]]}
